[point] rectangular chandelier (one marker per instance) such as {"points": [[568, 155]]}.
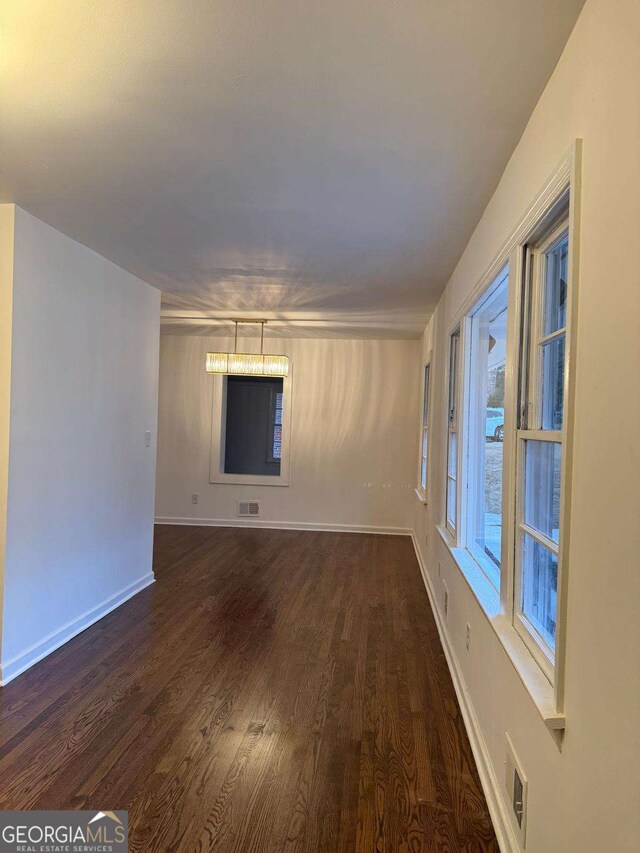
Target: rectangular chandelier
{"points": [[247, 364]]}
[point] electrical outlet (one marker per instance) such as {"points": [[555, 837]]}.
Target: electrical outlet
{"points": [[194, 499], [445, 600], [467, 636], [147, 438]]}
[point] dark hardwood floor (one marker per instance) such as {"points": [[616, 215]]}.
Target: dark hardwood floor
{"points": [[273, 691]]}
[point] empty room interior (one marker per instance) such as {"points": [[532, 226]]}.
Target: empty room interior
{"points": [[319, 407]]}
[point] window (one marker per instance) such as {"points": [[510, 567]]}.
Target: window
{"points": [[540, 443], [485, 429], [424, 435], [253, 437], [251, 430], [452, 439]]}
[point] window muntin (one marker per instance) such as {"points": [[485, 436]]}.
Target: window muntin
{"points": [[452, 440], [424, 436], [540, 439], [485, 428]]}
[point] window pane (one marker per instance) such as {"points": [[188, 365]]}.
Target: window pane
{"points": [[423, 464], [453, 368], [248, 426], [451, 501], [555, 314], [425, 405], [542, 487], [488, 532], [453, 454], [552, 383], [539, 588], [488, 364]]}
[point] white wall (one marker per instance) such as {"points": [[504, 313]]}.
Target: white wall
{"points": [[585, 798], [81, 481], [354, 434]]}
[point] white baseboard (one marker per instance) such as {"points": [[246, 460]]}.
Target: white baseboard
{"points": [[488, 777], [287, 525], [16, 665]]}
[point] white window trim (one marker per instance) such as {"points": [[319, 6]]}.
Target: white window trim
{"points": [[548, 698], [545, 656], [216, 465], [423, 491]]}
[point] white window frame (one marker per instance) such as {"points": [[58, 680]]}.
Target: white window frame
{"points": [[423, 459], [216, 465], [544, 683], [530, 419], [472, 434]]}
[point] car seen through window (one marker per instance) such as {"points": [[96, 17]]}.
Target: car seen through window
{"points": [[494, 424]]}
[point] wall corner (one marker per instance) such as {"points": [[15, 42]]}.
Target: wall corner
{"points": [[7, 241]]}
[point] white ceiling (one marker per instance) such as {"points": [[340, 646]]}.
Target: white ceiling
{"points": [[323, 160]]}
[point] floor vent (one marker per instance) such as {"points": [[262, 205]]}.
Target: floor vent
{"points": [[248, 509]]}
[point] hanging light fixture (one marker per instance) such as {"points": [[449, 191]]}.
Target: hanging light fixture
{"points": [[247, 363]]}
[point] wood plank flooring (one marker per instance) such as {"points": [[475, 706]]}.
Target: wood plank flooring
{"points": [[272, 691]]}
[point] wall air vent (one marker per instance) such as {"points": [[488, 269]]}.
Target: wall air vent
{"points": [[248, 509], [516, 785]]}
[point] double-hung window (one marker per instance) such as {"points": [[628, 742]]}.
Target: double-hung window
{"points": [[540, 439], [424, 434], [507, 499], [452, 436]]}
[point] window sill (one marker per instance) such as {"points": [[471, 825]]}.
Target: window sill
{"points": [[422, 497], [249, 479], [533, 678], [537, 685]]}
